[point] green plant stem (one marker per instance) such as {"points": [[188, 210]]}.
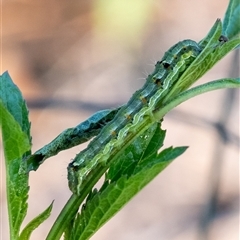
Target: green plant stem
{"points": [[65, 217], [70, 209], [184, 96]]}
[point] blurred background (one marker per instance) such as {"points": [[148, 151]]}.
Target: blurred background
{"points": [[72, 58]]}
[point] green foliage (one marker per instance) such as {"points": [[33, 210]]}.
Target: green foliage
{"points": [[129, 171], [213, 51], [27, 231], [17, 144], [231, 21], [139, 164], [16, 141]]}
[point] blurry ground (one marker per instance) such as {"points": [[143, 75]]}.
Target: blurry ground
{"points": [[73, 58]]}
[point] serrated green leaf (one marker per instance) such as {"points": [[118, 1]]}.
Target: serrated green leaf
{"points": [[14, 102], [164, 156], [202, 65], [156, 143], [124, 183], [27, 231], [108, 202], [17, 143]]}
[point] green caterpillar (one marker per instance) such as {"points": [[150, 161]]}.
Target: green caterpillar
{"points": [[120, 131]]}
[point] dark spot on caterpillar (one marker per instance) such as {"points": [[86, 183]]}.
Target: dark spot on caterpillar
{"points": [[223, 39], [143, 100], [128, 117], [175, 56], [73, 167], [184, 48], [113, 133], [157, 81], [166, 65]]}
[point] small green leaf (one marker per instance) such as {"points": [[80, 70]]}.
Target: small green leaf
{"points": [[27, 231], [15, 141], [213, 35], [231, 22], [156, 143], [14, 102]]}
